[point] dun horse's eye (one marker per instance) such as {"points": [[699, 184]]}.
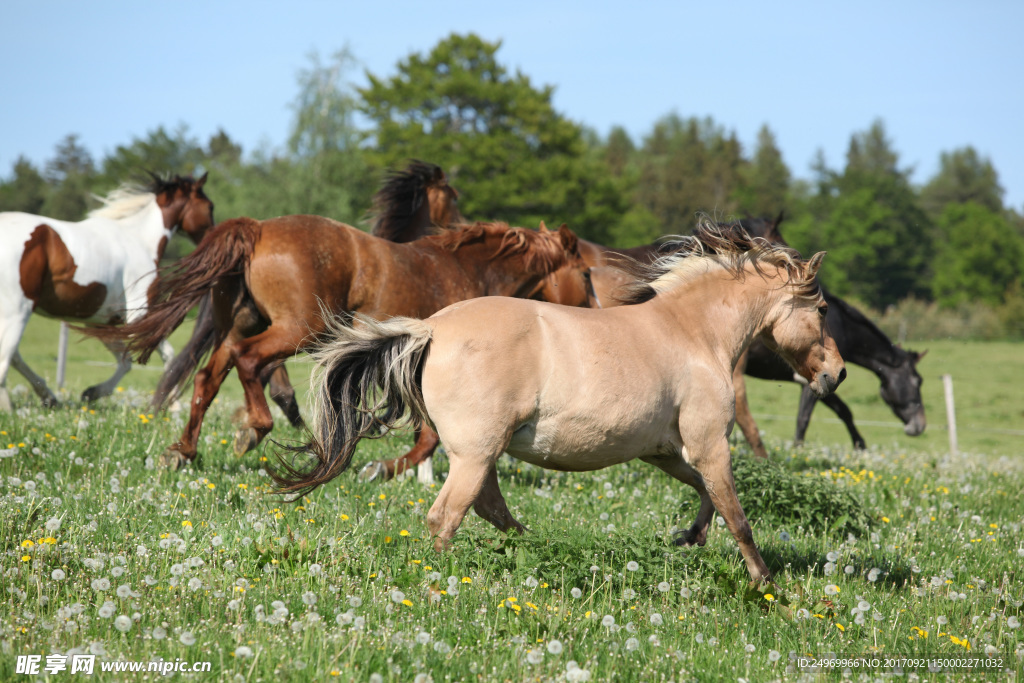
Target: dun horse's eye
{"points": [[823, 310]]}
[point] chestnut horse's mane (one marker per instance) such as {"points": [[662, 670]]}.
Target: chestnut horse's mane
{"points": [[539, 249], [401, 197], [729, 246]]}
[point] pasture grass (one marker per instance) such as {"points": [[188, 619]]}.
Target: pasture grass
{"points": [[898, 550], [880, 552]]}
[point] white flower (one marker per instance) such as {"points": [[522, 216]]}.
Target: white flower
{"points": [[422, 637], [831, 589], [656, 619], [123, 623], [58, 575], [355, 601], [101, 584], [195, 583], [803, 614], [124, 591], [1013, 622], [941, 620], [316, 569], [187, 638], [632, 566], [774, 655], [397, 596], [832, 556], [873, 574], [632, 644], [531, 582], [53, 524], [106, 611], [243, 652], [749, 647], [576, 593], [608, 621], [684, 592], [309, 598], [664, 587], [534, 656], [784, 536], [555, 647]]}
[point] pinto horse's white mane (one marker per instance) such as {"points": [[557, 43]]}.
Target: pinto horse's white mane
{"points": [[123, 202]]}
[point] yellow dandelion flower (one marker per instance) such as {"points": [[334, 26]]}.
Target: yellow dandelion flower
{"points": [[407, 602], [769, 597], [344, 518], [403, 532], [840, 626], [26, 558], [466, 579], [187, 524]]}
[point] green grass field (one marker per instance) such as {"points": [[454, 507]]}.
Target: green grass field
{"points": [[900, 551]]}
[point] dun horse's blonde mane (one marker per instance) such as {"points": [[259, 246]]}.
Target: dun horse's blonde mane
{"points": [[538, 249], [123, 202], [688, 257]]}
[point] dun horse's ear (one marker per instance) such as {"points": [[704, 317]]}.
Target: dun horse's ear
{"points": [[815, 263], [568, 238]]}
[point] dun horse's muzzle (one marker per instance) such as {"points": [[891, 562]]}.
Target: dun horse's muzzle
{"points": [[827, 382]]}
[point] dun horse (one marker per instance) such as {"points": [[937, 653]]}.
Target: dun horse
{"points": [[96, 271], [574, 389], [273, 281]]}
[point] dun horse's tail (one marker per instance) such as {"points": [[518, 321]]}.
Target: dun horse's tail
{"points": [[179, 370], [366, 378], [225, 251]]}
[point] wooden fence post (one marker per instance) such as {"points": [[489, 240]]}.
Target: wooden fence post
{"points": [[947, 384], [62, 354]]}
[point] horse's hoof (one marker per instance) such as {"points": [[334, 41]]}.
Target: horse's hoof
{"points": [[373, 470], [89, 395], [173, 459], [240, 417], [690, 538], [51, 402], [245, 440]]}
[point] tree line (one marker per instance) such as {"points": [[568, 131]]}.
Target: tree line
{"points": [[513, 157]]}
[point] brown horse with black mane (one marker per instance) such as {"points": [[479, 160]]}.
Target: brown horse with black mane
{"points": [[273, 281]]}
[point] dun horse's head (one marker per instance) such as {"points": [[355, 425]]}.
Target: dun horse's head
{"points": [[184, 205], [570, 284], [798, 332]]}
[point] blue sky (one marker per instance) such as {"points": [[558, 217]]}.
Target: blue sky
{"points": [[941, 75]]}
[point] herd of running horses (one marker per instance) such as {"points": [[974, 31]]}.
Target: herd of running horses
{"points": [[490, 339]]}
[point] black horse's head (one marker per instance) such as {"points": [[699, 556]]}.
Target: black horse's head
{"points": [[901, 390]]}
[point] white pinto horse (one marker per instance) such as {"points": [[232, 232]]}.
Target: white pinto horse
{"points": [[96, 271]]}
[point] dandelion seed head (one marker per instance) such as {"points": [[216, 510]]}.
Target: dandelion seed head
{"points": [[576, 593], [123, 623], [187, 638], [555, 647]]}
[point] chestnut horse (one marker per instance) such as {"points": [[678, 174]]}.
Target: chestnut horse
{"points": [[274, 281], [95, 271], [410, 204], [576, 390]]}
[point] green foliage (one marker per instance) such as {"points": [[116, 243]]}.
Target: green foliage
{"points": [[158, 152], [26, 190], [70, 174], [980, 256], [775, 495], [688, 166], [765, 186], [963, 177], [512, 156]]}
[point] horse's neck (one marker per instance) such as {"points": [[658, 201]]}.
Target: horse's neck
{"points": [[728, 329], [146, 229], [861, 343], [504, 275]]}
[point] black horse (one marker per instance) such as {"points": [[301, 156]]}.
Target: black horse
{"points": [[859, 342]]}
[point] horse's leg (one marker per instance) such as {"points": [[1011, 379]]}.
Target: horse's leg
{"points": [[675, 466], [124, 364], [713, 462], [838, 406], [386, 470], [253, 355], [283, 394], [205, 387], [744, 418], [166, 352], [466, 480], [490, 505], [37, 382], [12, 326]]}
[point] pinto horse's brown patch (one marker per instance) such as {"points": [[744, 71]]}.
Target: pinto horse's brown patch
{"points": [[47, 272]]}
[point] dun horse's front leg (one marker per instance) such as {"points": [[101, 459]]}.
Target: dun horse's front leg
{"points": [[714, 464]]}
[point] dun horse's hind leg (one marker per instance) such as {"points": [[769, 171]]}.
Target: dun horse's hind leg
{"points": [[386, 470], [466, 480], [124, 364], [675, 466], [490, 505], [37, 382]]}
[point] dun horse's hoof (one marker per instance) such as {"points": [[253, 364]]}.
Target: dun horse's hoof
{"points": [[374, 470], [173, 459], [245, 440]]}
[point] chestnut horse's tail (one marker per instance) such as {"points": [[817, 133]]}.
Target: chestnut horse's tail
{"points": [[366, 378], [183, 366], [224, 251]]}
